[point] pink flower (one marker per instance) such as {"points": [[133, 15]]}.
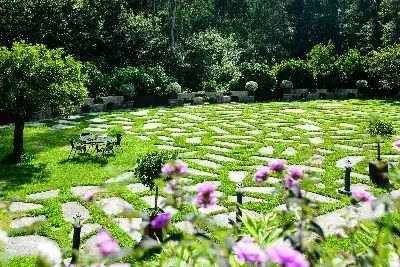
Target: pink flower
{"points": [[161, 220], [103, 237], [277, 164], [261, 175], [181, 167], [396, 145], [362, 196], [89, 196], [247, 251], [108, 248], [283, 254], [168, 169], [206, 196], [296, 173], [120, 265], [289, 182], [206, 188]]}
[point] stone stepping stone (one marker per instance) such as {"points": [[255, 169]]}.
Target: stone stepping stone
{"points": [[126, 127], [341, 163], [193, 140], [137, 188], [288, 129], [316, 160], [144, 138], [262, 190], [273, 124], [360, 187], [187, 154], [91, 129], [250, 142], [191, 116], [123, 177], [233, 137], [91, 245], [237, 176], [218, 130], [296, 137], [351, 148], [150, 200], [70, 209], [130, 226], [122, 122], [26, 222], [243, 123], [321, 150], [308, 127], [244, 199], [175, 130], [228, 125], [201, 173], [26, 245], [206, 163], [220, 158], [74, 117], [186, 226], [61, 127], [255, 132], [189, 124], [165, 138], [80, 191], [320, 185], [114, 205], [262, 158], [359, 175], [212, 209], [217, 148], [166, 147], [140, 113], [22, 206], [275, 134], [86, 229], [68, 122], [227, 144], [344, 131], [176, 119], [316, 140], [106, 126], [268, 150], [348, 125], [281, 140], [97, 120], [45, 194], [294, 110], [319, 198], [290, 151], [308, 121], [149, 126], [223, 219], [308, 168]]}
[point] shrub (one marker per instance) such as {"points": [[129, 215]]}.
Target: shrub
{"points": [[362, 85], [226, 74], [85, 109], [210, 86], [174, 88], [383, 68], [351, 69], [257, 72], [380, 129], [286, 85], [98, 84], [110, 106], [126, 90], [115, 130], [251, 86], [297, 71]]}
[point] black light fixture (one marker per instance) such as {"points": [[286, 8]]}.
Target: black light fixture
{"points": [[346, 189], [239, 199], [76, 240]]}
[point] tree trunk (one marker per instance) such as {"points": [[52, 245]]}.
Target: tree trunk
{"points": [[172, 17], [379, 151], [18, 139], [156, 199]]}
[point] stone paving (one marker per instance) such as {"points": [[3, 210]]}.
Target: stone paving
{"points": [[223, 144]]}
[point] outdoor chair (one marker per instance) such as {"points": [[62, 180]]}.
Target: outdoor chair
{"points": [[117, 143], [91, 147], [79, 148], [109, 148]]}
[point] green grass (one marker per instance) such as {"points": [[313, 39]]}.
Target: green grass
{"points": [[48, 167]]}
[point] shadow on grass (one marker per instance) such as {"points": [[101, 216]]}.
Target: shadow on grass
{"points": [[15, 175], [85, 158]]}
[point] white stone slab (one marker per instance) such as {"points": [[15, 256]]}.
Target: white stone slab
{"points": [[123, 177], [317, 197], [237, 176], [201, 173], [80, 191], [224, 219], [321, 150], [97, 120], [140, 113], [218, 130], [244, 199], [316, 140], [193, 140], [269, 150], [206, 163], [308, 127], [161, 202], [22, 206], [91, 129], [217, 148], [348, 125], [186, 226], [67, 122], [61, 127], [262, 190], [71, 209], [166, 147], [105, 126], [26, 245], [191, 116], [228, 144], [24, 222], [219, 157], [86, 229], [114, 205], [290, 151], [149, 126], [352, 148], [137, 188], [233, 137], [341, 163], [131, 226], [45, 194], [212, 209]]}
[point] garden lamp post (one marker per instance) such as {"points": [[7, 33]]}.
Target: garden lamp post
{"points": [[76, 240], [346, 189], [239, 199]]}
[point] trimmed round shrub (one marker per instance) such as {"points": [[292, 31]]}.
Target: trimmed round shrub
{"points": [[296, 71], [362, 85], [210, 86], [257, 72], [174, 88], [286, 85], [251, 86]]}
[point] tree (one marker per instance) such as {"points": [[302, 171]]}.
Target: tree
{"points": [[33, 78]]}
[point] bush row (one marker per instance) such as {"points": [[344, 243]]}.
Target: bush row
{"points": [[323, 68]]}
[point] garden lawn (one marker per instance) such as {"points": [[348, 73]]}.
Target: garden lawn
{"points": [[224, 144]]}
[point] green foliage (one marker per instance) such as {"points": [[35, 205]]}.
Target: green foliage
{"points": [[33, 77], [210, 86], [115, 130], [296, 71], [98, 84], [257, 72], [226, 74], [362, 84], [351, 68], [148, 166], [251, 86], [174, 88], [286, 85], [379, 128], [383, 68], [141, 81]]}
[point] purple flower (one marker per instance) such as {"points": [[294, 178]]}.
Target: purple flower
{"points": [[206, 188], [247, 251], [168, 169], [284, 255], [181, 167], [120, 265], [109, 247], [161, 220], [206, 200], [362, 196], [261, 175], [89, 196], [277, 164], [396, 145], [289, 182], [103, 237], [296, 173]]}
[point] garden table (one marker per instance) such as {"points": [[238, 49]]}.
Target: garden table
{"points": [[95, 140]]}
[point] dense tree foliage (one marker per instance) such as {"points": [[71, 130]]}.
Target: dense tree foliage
{"points": [[205, 42]]}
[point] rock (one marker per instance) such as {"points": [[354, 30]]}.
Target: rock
{"points": [[45, 194], [86, 229], [114, 205], [269, 150], [193, 140], [201, 173], [149, 126], [131, 226], [308, 127], [290, 151], [237, 176], [166, 147], [25, 245], [206, 163], [316, 140], [21, 206], [24, 222], [352, 160], [220, 158], [71, 209], [81, 191], [218, 130], [217, 148], [137, 188]]}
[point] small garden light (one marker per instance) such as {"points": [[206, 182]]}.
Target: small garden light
{"points": [[76, 240], [346, 189], [239, 199]]}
